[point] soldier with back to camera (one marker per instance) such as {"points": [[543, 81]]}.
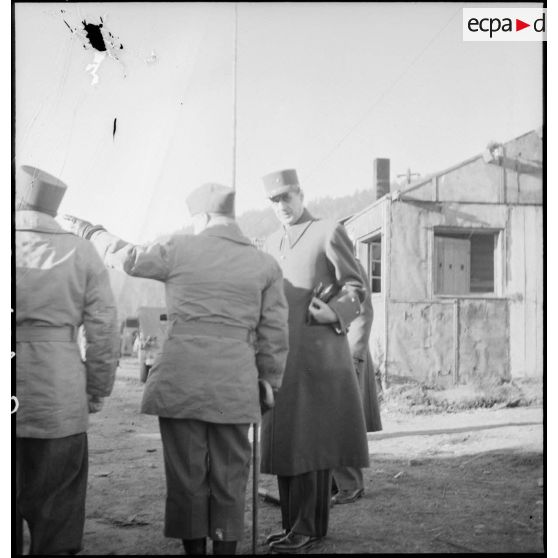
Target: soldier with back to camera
{"points": [[61, 284], [227, 328]]}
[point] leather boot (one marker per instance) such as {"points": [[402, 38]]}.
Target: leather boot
{"points": [[195, 547], [224, 547]]}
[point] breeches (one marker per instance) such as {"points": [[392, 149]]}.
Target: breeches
{"points": [[305, 502], [51, 482], [207, 467]]}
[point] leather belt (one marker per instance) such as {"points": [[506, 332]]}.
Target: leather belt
{"points": [[61, 334], [212, 329]]}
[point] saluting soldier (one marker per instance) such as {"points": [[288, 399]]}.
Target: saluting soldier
{"points": [[349, 480], [317, 423], [228, 327], [61, 284]]}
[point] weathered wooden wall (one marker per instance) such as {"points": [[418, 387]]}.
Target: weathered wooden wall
{"points": [[524, 271], [448, 339], [436, 339]]}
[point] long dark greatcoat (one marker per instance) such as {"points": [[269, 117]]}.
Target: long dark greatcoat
{"points": [[318, 420], [358, 337]]}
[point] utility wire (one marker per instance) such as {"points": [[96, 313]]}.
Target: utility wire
{"points": [[382, 95], [155, 194]]}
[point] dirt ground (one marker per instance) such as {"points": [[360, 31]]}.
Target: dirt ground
{"points": [[447, 483]]}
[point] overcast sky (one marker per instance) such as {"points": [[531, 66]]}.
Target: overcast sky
{"points": [[321, 87]]}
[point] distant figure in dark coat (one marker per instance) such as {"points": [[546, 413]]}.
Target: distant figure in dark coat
{"points": [[349, 480], [318, 423]]}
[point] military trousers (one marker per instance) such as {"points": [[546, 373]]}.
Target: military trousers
{"points": [[206, 468], [305, 502], [348, 478], [51, 483]]}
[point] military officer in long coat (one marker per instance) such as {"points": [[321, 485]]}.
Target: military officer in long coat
{"points": [[317, 423], [349, 480], [60, 285], [228, 316]]}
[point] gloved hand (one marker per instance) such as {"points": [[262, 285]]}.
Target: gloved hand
{"points": [[267, 396], [321, 312], [95, 403], [80, 227]]}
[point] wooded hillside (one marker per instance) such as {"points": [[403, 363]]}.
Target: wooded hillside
{"points": [[131, 292]]}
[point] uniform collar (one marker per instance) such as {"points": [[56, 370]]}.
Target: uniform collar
{"points": [[30, 220], [230, 231], [304, 218], [294, 232]]}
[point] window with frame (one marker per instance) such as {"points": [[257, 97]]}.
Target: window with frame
{"points": [[464, 262], [370, 254]]}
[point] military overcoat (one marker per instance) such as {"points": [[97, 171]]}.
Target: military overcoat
{"points": [[359, 338], [228, 322], [318, 420]]}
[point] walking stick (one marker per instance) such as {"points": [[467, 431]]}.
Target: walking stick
{"points": [[255, 479], [267, 401]]}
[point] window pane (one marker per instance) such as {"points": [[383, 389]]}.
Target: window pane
{"points": [[464, 262], [482, 263], [362, 253], [375, 255]]}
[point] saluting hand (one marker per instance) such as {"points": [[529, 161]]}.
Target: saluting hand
{"points": [[321, 312], [79, 227]]}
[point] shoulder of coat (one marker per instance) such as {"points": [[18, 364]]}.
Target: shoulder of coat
{"points": [[270, 267], [175, 236], [179, 235], [332, 224], [87, 254], [326, 227], [268, 259], [82, 243]]}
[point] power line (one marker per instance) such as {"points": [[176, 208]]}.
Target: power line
{"points": [[408, 175], [383, 94]]}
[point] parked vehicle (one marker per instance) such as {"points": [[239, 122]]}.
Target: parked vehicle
{"points": [[152, 330], [128, 334]]}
